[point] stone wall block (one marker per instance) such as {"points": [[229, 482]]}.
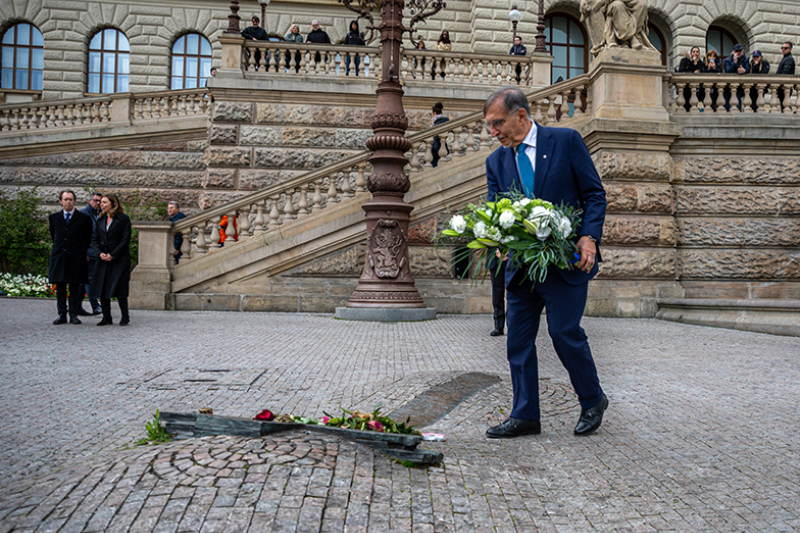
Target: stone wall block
{"points": [[117, 159], [173, 160], [639, 230], [621, 263], [254, 179], [209, 199], [347, 262], [319, 159], [737, 201], [430, 262], [768, 170], [231, 111], [621, 197], [740, 264], [312, 137], [739, 232], [223, 134], [352, 138], [292, 158], [219, 178], [633, 166], [271, 113], [260, 135], [655, 199], [217, 156]]}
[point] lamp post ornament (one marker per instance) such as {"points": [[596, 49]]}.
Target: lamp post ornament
{"points": [[264, 4], [386, 280], [514, 15]]}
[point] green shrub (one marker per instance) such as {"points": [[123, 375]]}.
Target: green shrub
{"points": [[24, 234]]}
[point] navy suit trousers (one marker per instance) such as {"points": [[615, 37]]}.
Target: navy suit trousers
{"points": [[565, 304]]}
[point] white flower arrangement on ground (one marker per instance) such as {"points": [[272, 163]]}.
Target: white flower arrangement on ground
{"points": [[25, 285], [535, 233]]}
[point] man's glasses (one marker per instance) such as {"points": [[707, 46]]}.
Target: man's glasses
{"points": [[785, 48], [496, 123]]}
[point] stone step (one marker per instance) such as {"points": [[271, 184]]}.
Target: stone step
{"points": [[777, 317]]}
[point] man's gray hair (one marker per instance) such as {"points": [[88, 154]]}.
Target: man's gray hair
{"points": [[512, 98], [175, 204]]}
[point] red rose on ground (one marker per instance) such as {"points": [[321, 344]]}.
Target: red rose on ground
{"points": [[266, 414]]}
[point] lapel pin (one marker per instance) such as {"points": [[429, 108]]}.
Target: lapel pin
{"points": [[545, 156]]}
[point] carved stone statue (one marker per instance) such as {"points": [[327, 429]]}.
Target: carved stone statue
{"points": [[613, 23]]}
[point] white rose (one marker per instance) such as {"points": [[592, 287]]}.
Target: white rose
{"points": [[564, 226], [479, 230], [458, 224], [493, 233], [543, 232], [507, 219], [525, 201], [539, 212]]}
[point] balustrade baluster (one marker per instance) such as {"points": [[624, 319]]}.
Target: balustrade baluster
{"points": [[720, 97], [347, 190], [484, 135], [578, 103], [681, 99], [485, 72], [565, 105], [186, 244], [494, 74], [707, 101], [231, 229], [361, 183], [137, 109], [244, 222], [537, 113], [376, 63], [470, 140], [760, 89], [260, 223], [213, 238], [251, 61], [274, 213], [735, 99], [200, 242], [330, 69], [551, 109], [23, 121], [69, 115], [331, 194], [693, 100], [173, 106], [304, 65], [5, 120], [443, 153], [274, 61], [466, 70], [302, 204], [787, 97], [288, 208], [428, 154], [747, 103], [414, 160], [164, 101], [316, 200]]}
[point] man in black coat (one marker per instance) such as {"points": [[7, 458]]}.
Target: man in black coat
{"points": [[71, 232], [93, 210], [256, 33], [317, 36], [785, 68]]}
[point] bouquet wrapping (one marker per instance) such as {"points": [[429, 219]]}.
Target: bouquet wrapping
{"points": [[534, 233]]}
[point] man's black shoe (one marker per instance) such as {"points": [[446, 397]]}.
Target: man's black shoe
{"points": [[84, 312], [74, 319], [62, 319], [514, 427], [498, 332], [591, 418], [124, 321], [97, 311], [105, 322]]}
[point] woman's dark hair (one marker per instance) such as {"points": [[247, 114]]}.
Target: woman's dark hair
{"points": [[116, 206], [437, 108], [444, 37]]}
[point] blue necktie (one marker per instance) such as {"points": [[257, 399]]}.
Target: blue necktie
{"points": [[526, 175], [67, 215]]}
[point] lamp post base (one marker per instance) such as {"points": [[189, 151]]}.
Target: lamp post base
{"points": [[383, 314]]}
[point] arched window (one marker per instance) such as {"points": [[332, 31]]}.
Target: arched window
{"points": [[657, 40], [109, 62], [566, 40], [23, 58], [720, 40], [191, 62]]}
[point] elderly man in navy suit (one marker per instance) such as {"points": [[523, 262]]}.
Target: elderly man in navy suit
{"points": [[552, 164]]}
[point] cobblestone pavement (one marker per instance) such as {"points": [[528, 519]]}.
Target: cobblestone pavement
{"points": [[701, 433]]}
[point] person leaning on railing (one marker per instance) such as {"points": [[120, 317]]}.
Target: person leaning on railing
{"points": [[442, 45], [294, 36], [692, 63], [317, 36], [759, 66], [420, 46], [712, 65], [785, 67], [735, 64], [255, 33], [353, 38]]}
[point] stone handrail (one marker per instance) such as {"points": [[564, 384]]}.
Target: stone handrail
{"points": [[732, 93], [320, 60], [312, 192], [128, 108]]}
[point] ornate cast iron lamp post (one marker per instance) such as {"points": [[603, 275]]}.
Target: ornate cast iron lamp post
{"points": [[386, 281], [264, 4], [540, 38]]}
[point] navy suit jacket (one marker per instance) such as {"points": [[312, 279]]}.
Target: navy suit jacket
{"points": [[564, 173]]}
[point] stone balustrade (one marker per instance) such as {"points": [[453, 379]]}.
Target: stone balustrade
{"points": [[428, 66], [295, 199], [716, 93], [127, 108]]}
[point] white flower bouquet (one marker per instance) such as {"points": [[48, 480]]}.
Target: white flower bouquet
{"points": [[534, 233]]}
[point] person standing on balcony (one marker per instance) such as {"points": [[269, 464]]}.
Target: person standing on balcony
{"points": [[437, 117], [735, 64], [420, 46], [712, 65], [317, 36], [71, 231], [518, 50], [294, 36], [255, 33], [92, 209], [174, 212], [442, 45], [353, 38], [692, 64], [760, 66], [112, 274], [785, 67]]}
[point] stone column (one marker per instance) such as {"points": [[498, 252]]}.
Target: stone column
{"points": [[151, 279]]}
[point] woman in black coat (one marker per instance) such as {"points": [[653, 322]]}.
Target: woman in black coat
{"points": [[111, 242]]}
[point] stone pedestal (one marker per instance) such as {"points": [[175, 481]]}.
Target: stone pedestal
{"points": [[151, 280]]}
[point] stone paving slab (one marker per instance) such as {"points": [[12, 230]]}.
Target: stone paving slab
{"points": [[701, 434]]}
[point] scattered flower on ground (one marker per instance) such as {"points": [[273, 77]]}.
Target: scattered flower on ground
{"points": [[359, 420]]}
